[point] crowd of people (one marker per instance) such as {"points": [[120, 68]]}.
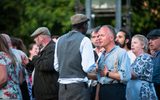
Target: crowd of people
{"points": [[109, 65]]}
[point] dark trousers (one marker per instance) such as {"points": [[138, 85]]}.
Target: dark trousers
{"points": [[93, 92], [74, 91], [157, 89], [24, 91], [115, 91]]}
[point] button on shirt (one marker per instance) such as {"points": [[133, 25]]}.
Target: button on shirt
{"points": [[115, 60], [87, 55]]}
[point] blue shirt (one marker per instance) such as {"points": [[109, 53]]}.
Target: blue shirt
{"points": [[141, 88], [116, 60], [156, 67]]}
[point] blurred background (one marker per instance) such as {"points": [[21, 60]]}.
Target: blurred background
{"points": [[20, 18]]}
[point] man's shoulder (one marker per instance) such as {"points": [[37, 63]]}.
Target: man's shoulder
{"points": [[119, 49], [120, 52], [158, 53], [50, 46]]}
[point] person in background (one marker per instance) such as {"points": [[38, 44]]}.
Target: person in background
{"points": [[21, 56], [45, 76], [123, 39], [140, 87], [10, 76], [17, 43], [33, 52], [154, 46], [73, 56], [97, 53], [113, 66], [95, 41]]}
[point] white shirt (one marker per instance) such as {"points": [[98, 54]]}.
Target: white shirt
{"points": [[131, 56], [86, 51]]}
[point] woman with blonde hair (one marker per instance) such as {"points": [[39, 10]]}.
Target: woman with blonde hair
{"points": [[9, 73]]}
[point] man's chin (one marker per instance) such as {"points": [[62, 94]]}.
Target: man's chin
{"points": [[118, 44]]}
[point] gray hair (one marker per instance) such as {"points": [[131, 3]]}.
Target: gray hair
{"points": [[143, 40]]}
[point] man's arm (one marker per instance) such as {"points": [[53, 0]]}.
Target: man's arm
{"points": [[87, 54]]}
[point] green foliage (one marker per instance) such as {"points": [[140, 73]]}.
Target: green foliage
{"points": [[54, 14], [145, 16], [22, 17]]}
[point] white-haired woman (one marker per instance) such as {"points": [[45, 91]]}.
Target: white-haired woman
{"points": [[140, 87]]}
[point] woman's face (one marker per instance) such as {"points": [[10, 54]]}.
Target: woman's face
{"points": [[34, 51], [136, 45]]}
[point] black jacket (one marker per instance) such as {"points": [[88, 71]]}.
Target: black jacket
{"points": [[45, 77]]}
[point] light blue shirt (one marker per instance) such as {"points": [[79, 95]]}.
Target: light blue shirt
{"points": [[87, 55], [116, 60]]}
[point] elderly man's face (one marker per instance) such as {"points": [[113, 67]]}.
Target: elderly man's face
{"points": [[104, 37], [38, 40], [154, 44]]}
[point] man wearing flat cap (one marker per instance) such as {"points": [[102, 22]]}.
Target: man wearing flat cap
{"points": [[73, 56], [154, 46], [45, 76]]}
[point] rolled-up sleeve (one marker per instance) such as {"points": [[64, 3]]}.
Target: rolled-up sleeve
{"points": [[56, 65], [124, 67], [86, 50]]}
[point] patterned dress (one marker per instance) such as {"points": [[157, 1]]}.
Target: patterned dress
{"points": [[142, 87], [11, 90]]}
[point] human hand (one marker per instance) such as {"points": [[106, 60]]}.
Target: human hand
{"points": [[104, 71], [25, 60]]}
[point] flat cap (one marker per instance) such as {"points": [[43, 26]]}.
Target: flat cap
{"points": [[78, 18], [154, 33], [41, 30]]}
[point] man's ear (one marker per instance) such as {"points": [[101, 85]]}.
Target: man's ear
{"points": [[126, 41]]}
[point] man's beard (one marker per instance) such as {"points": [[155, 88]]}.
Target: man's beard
{"points": [[121, 45]]}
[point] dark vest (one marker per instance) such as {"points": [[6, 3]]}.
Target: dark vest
{"points": [[69, 57]]}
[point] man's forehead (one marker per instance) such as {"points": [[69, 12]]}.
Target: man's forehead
{"points": [[94, 33], [120, 33]]}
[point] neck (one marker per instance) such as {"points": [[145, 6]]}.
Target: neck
{"points": [[109, 47], [79, 30], [98, 49], [139, 53], [126, 48]]}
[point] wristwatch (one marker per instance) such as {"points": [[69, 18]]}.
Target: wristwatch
{"points": [[107, 74]]}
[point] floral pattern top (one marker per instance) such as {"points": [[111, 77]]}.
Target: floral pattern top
{"points": [[141, 88], [11, 90]]}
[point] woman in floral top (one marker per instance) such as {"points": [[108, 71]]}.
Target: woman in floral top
{"points": [[140, 87], [9, 73]]}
